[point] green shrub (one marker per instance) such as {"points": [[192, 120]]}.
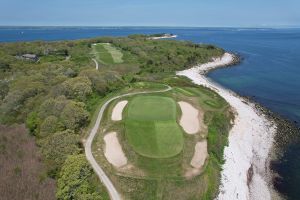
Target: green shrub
{"points": [[32, 122], [57, 147], [50, 125], [74, 180], [74, 115], [77, 88], [99, 84], [52, 106]]}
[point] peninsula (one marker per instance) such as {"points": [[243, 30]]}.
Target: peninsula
{"points": [[138, 115]]}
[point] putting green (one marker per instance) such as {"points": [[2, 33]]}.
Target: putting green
{"points": [[151, 127]]}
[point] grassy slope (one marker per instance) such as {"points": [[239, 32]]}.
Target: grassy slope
{"points": [[151, 127]]}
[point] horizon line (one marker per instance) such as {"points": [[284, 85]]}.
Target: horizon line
{"points": [[148, 26]]}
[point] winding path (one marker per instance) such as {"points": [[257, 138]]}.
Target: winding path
{"points": [[114, 195], [96, 63]]}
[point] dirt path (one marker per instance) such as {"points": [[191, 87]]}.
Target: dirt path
{"points": [[114, 195], [96, 63]]}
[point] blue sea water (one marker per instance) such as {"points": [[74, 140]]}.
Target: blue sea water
{"points": [[269, 72]]}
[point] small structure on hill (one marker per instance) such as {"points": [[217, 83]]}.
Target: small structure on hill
{"points": [[30, 57]]}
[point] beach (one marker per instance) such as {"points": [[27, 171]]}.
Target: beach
{"points": [[245, 173], [163, 37]]}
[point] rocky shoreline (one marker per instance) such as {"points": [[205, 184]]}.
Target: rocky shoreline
{"points": [[286, 133], [253, 139]]}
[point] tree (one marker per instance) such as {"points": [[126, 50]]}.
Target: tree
{"points": [[53, 107], [3, 89], [57, 147], [77, 88], [70, 73], [99, 84], [50, 125], [74, 115], [73, 181], [4, 67], [32, 122], [11, 105]]}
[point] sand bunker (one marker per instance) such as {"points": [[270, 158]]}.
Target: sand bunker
{"points": [[200, 154], [190, 118], [113, 150], [118, 110]]}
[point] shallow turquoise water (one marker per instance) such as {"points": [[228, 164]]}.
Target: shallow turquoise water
{"points": [[269, 72]]}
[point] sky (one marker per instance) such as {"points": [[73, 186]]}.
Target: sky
{"points": [[185, 13]]}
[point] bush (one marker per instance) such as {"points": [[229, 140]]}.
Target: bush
{"points": [[77, 88], [99, 84], [74, 180], [32, 122], [3, 89], [50, 125], [57, 147], [218, 135], [52, 107], [74, 116]]}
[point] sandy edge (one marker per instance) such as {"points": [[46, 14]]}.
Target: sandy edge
{"points": [[189, 119], [200, 154], [245, 173], [113, 150], [118, 110], [163, 37]]}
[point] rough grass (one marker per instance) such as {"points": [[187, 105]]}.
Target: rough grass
{"points": [[105, 53], [151, 127]]}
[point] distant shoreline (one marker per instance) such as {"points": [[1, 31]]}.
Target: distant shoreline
{"points": [[164, 36]]}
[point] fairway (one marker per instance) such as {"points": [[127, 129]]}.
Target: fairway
{"points": [[151, 127], [107, 54]]}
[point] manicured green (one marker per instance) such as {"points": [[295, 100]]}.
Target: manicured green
{"points": [[150, 108], [107, 54], [114, 52], [151, 127]]}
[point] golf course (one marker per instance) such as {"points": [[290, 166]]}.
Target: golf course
{"points": [[151, 127], [147, 145], [106, 54]]}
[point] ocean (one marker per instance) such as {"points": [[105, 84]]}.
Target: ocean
{"points": [[269, 72]]}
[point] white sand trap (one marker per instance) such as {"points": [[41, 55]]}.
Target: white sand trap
{"points": [[113, 150], [189, 120], [200, 154], [118, 110]]}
